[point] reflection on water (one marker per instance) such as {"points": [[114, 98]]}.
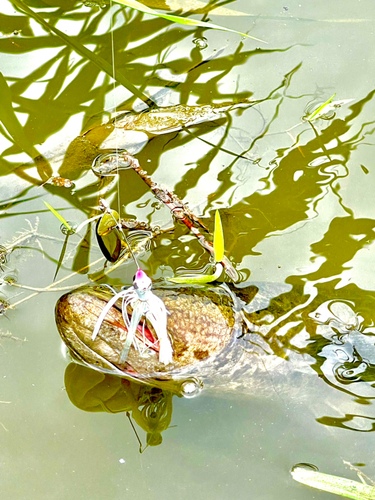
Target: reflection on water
{"points": [[151, 408], [296, 202], [340, 340], [350, 354]]}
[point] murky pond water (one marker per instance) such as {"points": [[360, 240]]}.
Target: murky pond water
{"points": [[296, 201]]}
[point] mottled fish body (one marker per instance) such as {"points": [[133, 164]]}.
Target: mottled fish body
{"points": [[202, 325]]}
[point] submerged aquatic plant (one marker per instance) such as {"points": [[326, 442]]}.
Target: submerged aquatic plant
{"points": [[146, 305]]}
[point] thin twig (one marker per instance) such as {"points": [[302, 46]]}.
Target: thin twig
{"points": [[362, 476], [8, 335], [179, 210], [33, 231], [135, 432], [40, 289]]}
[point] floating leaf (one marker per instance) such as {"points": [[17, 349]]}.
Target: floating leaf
{"points": [[334, 484], [181, 20], [60, 217], [218, 238], [198, 279]]}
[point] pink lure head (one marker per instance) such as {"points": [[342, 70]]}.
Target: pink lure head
{"points": [[141, 281]]}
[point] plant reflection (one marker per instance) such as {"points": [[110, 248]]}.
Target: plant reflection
{"points": [[150, 407], [279, 205]]}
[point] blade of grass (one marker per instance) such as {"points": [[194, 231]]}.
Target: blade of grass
{"points": [[196, 7], [62, 254], [133, 4], [333, 484], [218, 238], [60, 217], [69, 232], [314, 114], [331, 106]]}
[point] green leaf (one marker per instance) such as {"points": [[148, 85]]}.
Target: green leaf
{"points": [[177, 19], [218, 238], [333, 484], [321, 110], [10, 120], [198, 279], [60, 217]]}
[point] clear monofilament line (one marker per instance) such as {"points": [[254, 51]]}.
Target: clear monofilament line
{"points": [[114, 104], [116, 139]]}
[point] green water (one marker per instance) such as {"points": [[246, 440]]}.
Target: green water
{"points": [[297, 209]]}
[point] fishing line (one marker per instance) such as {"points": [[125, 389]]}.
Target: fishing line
{"points": [[118, 223], [114, 101]]}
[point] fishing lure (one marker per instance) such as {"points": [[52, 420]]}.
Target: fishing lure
{"points": [[145, 305], [109, 232]]}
